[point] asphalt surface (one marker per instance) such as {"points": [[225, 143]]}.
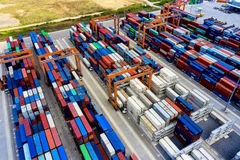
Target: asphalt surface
{"points": [[122, 124]]}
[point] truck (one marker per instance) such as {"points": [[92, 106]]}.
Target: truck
{"points": [[87, 64]]}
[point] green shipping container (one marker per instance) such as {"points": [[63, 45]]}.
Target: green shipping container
{"points": [[153, 32], [84, 152], [111, 49]]}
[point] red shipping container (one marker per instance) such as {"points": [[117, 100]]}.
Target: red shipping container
{"points": [[133, 157], [183, 108], [59, 96], [55, 75], [77, 134], [57, 91], [227, 83], [88, 116], [103, 153], [59, 84], [95, 138], [34, 107], [73, 84], [22, 101], [223, 90], [44, 121], [50, 139], [27, 127], [206, 84], [34, 75], [63, 103], [56, 137], [87, 127], [221, 67], [46, 67], [15, 92], [72, 110], [121, 156]]}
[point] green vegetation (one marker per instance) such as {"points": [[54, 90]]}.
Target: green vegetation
{"points": [[34, 11], [162, 2], [154, 0], [49, 27]]}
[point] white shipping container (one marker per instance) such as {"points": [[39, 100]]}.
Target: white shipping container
{"points": [[147, 124], [139, 103], [107, 145], [166, 147], [119, 103], [197, 155], [99, 42], [75, 75], [206, 154], [121, 97], [66, 88], [203, 95], [34, 90], [54, 84], [171, 94], [187, 157], [26, 152], [162, 112], [130, 92], [70, 86], [48, 156], [39, 89], [162, 122], [145, 100], [25, 94], [77, 108], [171, 144], [170, 108], [153, 120], [50, 120], [133, 107], [61, 89], [152, 97], [30, 93], [83, 37], [179, 89]]}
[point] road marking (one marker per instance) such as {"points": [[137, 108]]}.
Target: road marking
{"points": [[60, 45], [66, 43], [114, 123]]}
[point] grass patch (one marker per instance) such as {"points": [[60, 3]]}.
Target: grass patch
{"points": [[34, 11], [162, 2], [50, 27]]}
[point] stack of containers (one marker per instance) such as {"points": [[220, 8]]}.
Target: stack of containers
{"points": [[15, 45], [79, 111], [226, 85], [158, 85], [105, 60], [36, 134], [170, 77], [42, 43], [177, 90], [154, 116], [187, 131]]}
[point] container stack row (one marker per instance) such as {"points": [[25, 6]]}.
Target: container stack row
{"points": [[214, 65], [91, 130], [107, 57], [36, 133]]}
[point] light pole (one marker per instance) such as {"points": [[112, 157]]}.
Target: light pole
{"points": [[229, 101]]}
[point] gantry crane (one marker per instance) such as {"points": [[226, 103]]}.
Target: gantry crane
{"points": [[142, 72], [113, 17], [159, 23], [61, 54], [12, 57]]}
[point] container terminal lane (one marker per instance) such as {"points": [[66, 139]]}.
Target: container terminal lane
{"points": [[132, 136]]}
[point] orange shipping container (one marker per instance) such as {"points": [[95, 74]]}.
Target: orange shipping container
{"points": [[50, 139]]}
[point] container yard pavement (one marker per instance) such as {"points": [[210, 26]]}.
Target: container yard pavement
{"points": [[207, 9]]}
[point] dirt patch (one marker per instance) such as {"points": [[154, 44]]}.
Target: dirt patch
{"points": [[8, 20], [115, 4], [5, 5]]}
